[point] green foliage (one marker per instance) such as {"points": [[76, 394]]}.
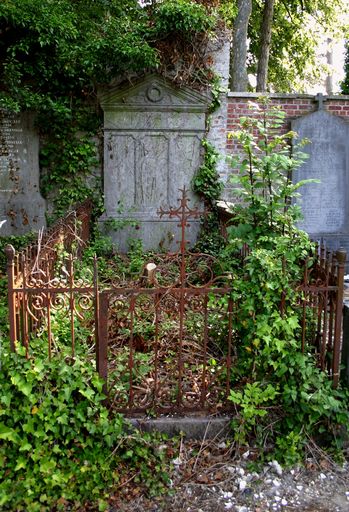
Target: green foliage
{"points": [[68, 162], [293, 63], [181, 17], [18, 242], [298, 29], [208, 185], [252, 401], [54, 55], [264, 180], [290, 396], [59, 447], [206, 182], [51, 50], [345, 83]]}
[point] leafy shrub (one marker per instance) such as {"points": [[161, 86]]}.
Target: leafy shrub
{"points": [[181, 16], [290, 396], [59, 447]]}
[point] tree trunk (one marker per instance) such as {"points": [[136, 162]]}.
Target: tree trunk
{"points": [[238, 72], [265, 40]]}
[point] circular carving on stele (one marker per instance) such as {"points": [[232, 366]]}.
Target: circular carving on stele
{"points": [[154, 93]]}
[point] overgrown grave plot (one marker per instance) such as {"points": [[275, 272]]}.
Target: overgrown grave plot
{"points": [[170, 341], [165, 336], [160, 329], [161, 335]]}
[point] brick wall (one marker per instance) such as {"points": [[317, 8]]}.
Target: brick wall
{"points": [[294, 105], [235, 105]]}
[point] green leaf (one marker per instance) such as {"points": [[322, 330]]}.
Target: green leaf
{"points": [[25, 446], [47, 466], [21, 384], [21, 463], [87, 393], [8, 434]]}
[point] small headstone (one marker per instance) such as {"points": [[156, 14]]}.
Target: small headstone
{"points": [[325, 205], [21, 203]]}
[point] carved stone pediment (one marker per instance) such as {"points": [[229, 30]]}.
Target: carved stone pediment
{"points": [[153, 93]]}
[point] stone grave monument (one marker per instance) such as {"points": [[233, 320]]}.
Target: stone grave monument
{"points": [[21, 203], [325, 205], [152, 148]]}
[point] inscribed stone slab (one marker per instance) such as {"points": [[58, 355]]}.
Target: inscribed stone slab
{"points": [[152, 143], [21, 203], [325, 206]]}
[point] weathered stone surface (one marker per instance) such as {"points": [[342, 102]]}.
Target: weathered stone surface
{"points": [[192, 427], [152, 148], [325, 206], [21, 203], [219, 54]]}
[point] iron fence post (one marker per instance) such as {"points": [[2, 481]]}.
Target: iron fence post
{"points": [[10, 254], [345, 346], [341, 256], [96, 302], [102, 341]]}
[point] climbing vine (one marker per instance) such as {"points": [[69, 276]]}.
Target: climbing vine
{"points": [[69, 156], [207, 182], [54, 56], [285, 399], [208, 185]]}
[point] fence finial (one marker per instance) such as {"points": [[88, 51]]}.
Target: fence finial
{"points": [[10, 252], [341, 256]]}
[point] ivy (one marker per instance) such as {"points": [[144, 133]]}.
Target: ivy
{"points": [[54, 55], [59, 449], [181, 17], [291, 397], [207, 184]]}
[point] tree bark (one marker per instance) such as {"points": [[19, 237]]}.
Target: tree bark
{"points": [[265, 41], [238, 72]]}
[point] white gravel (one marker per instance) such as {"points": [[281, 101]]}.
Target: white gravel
{"points": [[311, 489]]}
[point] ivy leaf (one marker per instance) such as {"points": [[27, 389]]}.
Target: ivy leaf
{"points": [[21, 464], [25, 446], [47, 466], [23, 386], [87, 393], [8, 434]]}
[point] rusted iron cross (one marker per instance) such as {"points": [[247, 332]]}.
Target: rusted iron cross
{"points": [[183, 213]]}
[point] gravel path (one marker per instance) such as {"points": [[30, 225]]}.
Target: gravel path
{"points": [[226, 484]]}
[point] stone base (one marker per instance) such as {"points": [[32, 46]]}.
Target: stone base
{"points": [[191, 427], [156, 235]]}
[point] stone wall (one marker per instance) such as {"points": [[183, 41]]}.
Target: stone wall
{"points": [[325, 122], [220, 54], [295, 105]]}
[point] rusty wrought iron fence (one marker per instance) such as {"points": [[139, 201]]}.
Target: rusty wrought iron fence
{"points": [[165, 343], [36, 276], [321, 303]]}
